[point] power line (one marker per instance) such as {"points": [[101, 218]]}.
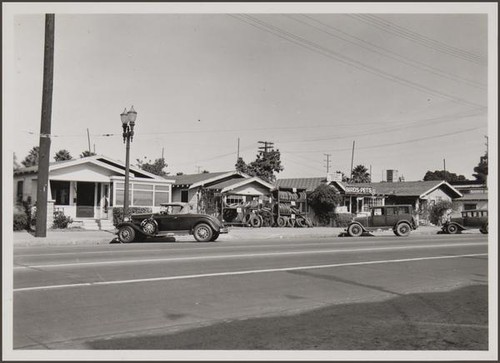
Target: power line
{"points": [[305, 43], [386, 52], [400, 143], [418, 38]]}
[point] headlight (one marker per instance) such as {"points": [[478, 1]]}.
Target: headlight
{"points": [[126, 219]]}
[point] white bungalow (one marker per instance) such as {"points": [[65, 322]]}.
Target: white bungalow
{"points": [[89, 188]]}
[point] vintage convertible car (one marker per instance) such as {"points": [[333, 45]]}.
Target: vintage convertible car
{"points": [[469, 219], [173, 219]]}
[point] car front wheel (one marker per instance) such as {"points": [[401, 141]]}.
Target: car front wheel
{"points": [[126, 234], [403, 229], [203, 232], [452, 228], [355, 230], [484, 230]]}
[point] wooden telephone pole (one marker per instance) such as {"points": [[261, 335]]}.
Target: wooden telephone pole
{"points": [[43, 160]]}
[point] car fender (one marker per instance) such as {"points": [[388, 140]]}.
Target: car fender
{"points": [[215, 226], [459, 225], [134, 226], [404, 221], [359, 224]]}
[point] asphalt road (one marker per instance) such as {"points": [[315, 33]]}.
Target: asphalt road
{"points": [[78, 297]]}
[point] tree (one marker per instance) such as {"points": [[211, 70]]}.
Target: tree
{"points": [[264, 167], [87, 153], [323, 201], [360, 175], [155, 167], [32, 158], [443, 175], [62, 155], [481, 170]]}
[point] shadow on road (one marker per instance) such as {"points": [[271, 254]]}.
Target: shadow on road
{"points": [[454, 320]]}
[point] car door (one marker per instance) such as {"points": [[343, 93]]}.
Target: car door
{"points": [[391, 216], [377, 217]]}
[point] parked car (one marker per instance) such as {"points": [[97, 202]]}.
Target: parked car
{"points": [[399, 218], [173, 219], [469, 219]]}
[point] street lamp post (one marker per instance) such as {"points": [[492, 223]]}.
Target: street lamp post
{"points": [[128, 123]]}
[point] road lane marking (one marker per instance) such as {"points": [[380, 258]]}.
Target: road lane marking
{"points": [[153, 260], [248, 272]]}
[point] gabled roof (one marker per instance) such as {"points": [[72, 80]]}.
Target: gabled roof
{"points": [[411, 189], [198, 180], [403, 189], [308, 183], [100, 160], [228, 185]]}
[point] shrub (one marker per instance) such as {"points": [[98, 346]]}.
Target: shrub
{"points": [[342, 219], [61, 221], [20, 221], [437, 211], [118, 212]]}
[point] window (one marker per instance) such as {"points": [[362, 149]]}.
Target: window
{"points": [[184, 196], [469, 206], [60, 191], [404, 210], [143, 194], [19, 194], [377, 211], [391, 211]]}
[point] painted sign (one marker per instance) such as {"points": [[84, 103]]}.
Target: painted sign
{"points": [[349, 189]]}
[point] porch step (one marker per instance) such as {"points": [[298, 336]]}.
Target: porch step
{"points": [[106, 225], [90, 225]]}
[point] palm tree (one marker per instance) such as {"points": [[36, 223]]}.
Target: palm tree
{"points": [[86, 153], [32, 158], [360, 175], [62, 155]]}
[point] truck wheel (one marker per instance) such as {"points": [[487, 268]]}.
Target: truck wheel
{"points": [[281, 222], [126, 234], [403, 229], [355, 230], [452, 228], [255, 221], [203, 232]]}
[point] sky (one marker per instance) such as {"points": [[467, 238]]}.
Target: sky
{"points": [[405, 91]]}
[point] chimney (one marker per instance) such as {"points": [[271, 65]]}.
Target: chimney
{"points": [[392, 175]]}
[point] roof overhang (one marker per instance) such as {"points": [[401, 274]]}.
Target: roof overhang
{"points": [[453, 190], [215, 178], [248, 181]]}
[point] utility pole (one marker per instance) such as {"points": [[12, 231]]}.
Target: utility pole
{"points": [[238, 153], [327, 162], [43, 160], [88, 137], [162, 151], [352, 157], [444, 167], [267, 145]]}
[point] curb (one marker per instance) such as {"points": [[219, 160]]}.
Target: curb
{"points": [[105, 237]]}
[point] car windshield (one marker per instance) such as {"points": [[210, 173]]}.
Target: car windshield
{"points": [[174, 209]]}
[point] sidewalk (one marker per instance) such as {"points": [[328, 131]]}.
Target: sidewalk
{"points": [[82, 237]]}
